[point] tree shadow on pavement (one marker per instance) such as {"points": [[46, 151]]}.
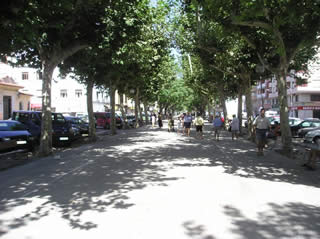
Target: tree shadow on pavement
{"points": [[99, 177], [239, 158], [196, 231], [291, 220], [89, 178]]}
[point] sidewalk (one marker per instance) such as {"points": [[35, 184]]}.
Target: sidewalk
{"points": [[148, 183]]}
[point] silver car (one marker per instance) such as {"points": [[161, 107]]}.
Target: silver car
{"points": [[312, 139]]}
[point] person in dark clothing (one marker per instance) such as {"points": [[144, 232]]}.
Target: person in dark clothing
{"points": [[160, 121]]}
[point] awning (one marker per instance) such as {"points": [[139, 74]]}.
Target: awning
{"points": [[36, 106], [312, 107]]}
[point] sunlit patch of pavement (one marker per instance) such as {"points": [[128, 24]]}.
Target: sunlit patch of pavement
{"points": [[149, 183]]}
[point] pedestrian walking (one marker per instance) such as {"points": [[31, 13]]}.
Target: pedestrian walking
{"points": [[170, 123], [182, 120], [187, 123], [217, 126], [234, 127], [153, 120], [261, 125], [199, 122], [160, 121], [179, 125]]}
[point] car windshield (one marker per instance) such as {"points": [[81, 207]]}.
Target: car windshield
{"points": [[11, 126], [76, 120], [58, 118], [270, 119]]}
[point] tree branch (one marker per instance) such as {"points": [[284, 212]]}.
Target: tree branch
{"points": [[71, 49], [209, 49], [253, 24]]}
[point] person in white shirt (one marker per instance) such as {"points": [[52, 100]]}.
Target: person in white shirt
{"points": [[262, 125], [153, 119], [234, 127]]}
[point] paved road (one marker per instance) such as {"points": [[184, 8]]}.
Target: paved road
{"points": [[151, 184]]}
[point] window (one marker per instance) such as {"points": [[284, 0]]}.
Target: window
{"points": [[297, 98], [315, 97], [306, 124], [20, 105], [40, 77], [25, 76], [78, 93], [63, 93]]}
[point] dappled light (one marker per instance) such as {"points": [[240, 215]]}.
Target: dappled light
{"points": [[290, 220], [104, 178]]}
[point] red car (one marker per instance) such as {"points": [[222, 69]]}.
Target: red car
{"points": [[103, 119]]}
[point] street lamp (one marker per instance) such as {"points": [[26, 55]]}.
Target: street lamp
{"points": [[132, 91], [260, 70]]}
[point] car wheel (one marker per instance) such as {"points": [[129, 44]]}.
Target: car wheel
{"points": [[317, 141]]}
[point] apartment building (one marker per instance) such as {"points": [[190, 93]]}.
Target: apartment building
{"points": [[67, 94], [303, 100]]}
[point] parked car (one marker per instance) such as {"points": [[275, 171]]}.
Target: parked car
{"points": [[79, 126], [313, 137], [62, 131], [302, 132], [307, 123], [294, 121], [131, 119], [15, 136], [103, 119]]}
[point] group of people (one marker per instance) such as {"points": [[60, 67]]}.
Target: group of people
{"points": [[154, 119], [185, 122]]}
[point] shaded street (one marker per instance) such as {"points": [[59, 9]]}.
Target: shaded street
{"points": [[147, 183]]}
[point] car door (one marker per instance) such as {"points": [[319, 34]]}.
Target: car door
{"points": [[34, 125]]}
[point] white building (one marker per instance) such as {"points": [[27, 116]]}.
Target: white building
{"points": [[303, 100], [67, 94]]}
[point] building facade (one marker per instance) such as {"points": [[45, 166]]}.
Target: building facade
{"points": [[12, 97], [303, 100], [67, 94]]}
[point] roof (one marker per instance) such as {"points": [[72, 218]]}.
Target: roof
{"points": [[9, 81], [25, 93]]}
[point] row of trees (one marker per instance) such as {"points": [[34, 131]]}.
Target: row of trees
{"points": [[116, 45], [233, 40]]}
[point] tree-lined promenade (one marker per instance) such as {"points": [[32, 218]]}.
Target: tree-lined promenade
{"points": [[225, 46], [150, 183]]}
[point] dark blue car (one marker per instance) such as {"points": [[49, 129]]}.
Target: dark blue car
{"points": [[15, 136], [62, 131], [78, 125]]}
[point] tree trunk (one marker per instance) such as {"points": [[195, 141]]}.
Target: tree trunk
{"points": [[209, 108], [123, 112], [284, 114], [249, 107], [145, 106], [240, 108], [46, 123], [224, 107], [113, 109], [136, 108], [140, 114], [92, 122]]}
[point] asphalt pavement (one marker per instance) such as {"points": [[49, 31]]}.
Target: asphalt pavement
{"points": [[151, 184]]}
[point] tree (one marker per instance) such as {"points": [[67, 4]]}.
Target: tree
{"points": [[278, 31], [50, 32]]}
